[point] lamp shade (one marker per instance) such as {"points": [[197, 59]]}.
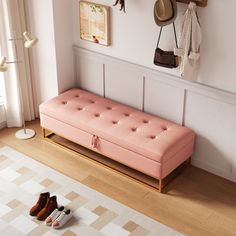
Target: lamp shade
{"points": [[30, 40], [3, 65]]}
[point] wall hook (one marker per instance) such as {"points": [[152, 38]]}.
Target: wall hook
{"points": [[200, 3], [122, 4]]}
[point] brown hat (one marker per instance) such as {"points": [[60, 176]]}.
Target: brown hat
{"points": [[165, 12]]}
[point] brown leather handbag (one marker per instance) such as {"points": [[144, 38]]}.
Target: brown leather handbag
{"points": [[165, 58]]}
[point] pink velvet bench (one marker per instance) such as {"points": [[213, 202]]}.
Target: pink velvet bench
{"points": [[149, 144]]}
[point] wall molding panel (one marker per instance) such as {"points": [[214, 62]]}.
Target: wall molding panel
{"points": [[122, 89], [89, 74], [210, 112]]}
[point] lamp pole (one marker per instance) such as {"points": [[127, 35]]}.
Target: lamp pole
{"points": [[30, 41], [23, 133]]}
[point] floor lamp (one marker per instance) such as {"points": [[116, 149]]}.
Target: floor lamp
{"points": [[29, 41]]}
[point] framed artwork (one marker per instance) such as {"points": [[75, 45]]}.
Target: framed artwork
{"points": [[94, 22]]}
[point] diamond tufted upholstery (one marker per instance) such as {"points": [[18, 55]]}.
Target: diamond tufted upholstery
{"points": [[151, 137]]}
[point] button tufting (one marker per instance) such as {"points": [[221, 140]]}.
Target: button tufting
{"points": [[142, 134]]}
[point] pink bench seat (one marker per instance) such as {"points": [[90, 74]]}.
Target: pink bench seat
{"points": [[142, 141]]}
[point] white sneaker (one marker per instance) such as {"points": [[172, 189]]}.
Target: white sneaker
{"points": [[62, 219], [54, 215]]}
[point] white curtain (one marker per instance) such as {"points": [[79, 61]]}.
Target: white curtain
{"points": [[18, 83]]}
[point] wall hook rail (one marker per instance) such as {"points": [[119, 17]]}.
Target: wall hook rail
{"points": [[200, 3]]}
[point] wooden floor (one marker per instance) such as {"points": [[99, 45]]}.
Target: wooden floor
{"points": [[195, 203]]}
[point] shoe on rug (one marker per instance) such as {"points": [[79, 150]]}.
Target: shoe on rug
{"points": [[54, 215], [62, 219], [50, 206], [43, 197]]}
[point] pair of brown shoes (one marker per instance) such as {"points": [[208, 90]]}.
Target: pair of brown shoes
{"points": [[44, 206]]}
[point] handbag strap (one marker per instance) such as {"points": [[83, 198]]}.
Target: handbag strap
{"points": [[175, 35], [159, 37]]}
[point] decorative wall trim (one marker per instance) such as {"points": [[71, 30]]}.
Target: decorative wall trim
{"points": [[143, 102], [184, 102], [210, 112], [203, 89], [103, 80]]}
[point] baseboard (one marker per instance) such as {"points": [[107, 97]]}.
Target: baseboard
{"points": [[3, 122], [3, 125], [214, 170]]}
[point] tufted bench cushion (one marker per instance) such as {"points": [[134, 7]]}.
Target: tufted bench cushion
{"points": [[150, 144]]}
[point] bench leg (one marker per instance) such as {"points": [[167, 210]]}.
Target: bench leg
{"points": [[160, 186], [188, 162], [44, 133]]}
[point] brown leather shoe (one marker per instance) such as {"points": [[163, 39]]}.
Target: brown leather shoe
{"points": [[50, 206], [40, 204]]}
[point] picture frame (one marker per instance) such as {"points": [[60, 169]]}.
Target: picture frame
{"points": [[94, 22]]}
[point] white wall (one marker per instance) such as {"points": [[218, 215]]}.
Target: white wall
{"points": [[134, 36], [210, 112], [52, 59], [63, 21], [41, 24]]}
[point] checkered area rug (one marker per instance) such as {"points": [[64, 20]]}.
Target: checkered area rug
{"points": [[22, 179]]}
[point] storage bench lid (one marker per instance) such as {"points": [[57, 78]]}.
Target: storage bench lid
{"points": [[148, 135]]}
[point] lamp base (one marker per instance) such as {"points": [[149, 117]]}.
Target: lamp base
{"points": [[25, 134]]}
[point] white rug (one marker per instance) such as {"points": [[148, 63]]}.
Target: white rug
{"points": [[22, 180]]}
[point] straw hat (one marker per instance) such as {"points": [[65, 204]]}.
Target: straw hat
{"points": [[165, 12]]}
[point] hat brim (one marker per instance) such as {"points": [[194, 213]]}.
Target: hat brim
{"points": [[169, 21]]}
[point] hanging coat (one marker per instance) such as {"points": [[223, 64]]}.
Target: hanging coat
{"points": [[189, 44]]}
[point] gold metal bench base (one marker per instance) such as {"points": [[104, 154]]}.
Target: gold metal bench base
{"points": [[110, 164]]}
